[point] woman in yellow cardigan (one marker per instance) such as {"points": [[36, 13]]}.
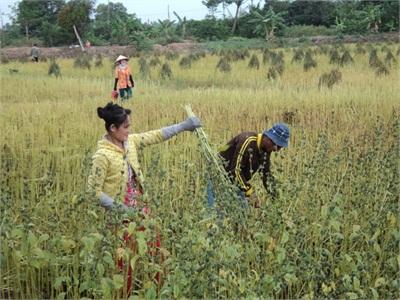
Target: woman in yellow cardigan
{"points": [[116, 176]]}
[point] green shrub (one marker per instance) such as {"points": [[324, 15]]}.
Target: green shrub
{"points": [[297, 31], [144, 68], [155, 61], [373, 59], [360, 49], [272, 73], [23, 59], [223, 65], [4, 59], [381, 69], [234, 43], [13, 71], [54, 69], [334, 57], [83, 61], [266, 55], [254, 62], [389, 59], [309, 62], [329, 79], [196, 55], [166, 71], [298, 55], [99, 61], [171, 55], [290, 116], [346, 58], [185, 62]]}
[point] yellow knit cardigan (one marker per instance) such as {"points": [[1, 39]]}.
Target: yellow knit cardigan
{"points": [[109, 172]]}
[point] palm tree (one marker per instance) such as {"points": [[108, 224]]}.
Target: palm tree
{"points": [[267, 24]]}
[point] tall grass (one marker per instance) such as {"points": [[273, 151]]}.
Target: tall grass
{"points": [[332, 231]]}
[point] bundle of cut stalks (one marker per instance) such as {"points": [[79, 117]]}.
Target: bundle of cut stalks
{"points": [[227, 196]]}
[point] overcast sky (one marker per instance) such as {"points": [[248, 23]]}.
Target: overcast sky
{"points": [[146, 10]]}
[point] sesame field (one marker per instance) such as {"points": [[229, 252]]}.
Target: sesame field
{"points": [[332, 231]]}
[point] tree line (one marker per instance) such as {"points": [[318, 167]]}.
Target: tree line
{"points": [[50, 22]]}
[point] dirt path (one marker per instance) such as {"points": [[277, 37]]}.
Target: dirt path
{"points": [[111, 51]]}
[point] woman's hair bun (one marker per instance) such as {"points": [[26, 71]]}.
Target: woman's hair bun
{"points": [[100, 112], [113, 114]]}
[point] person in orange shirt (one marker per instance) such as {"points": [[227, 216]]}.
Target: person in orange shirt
{"points": [[123, 78]]}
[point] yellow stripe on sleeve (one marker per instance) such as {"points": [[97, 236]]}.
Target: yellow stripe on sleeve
{"points": [[239, 159]]}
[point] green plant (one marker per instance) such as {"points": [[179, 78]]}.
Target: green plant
{"points": [[99, 61], [223, 65], [309, 62], [166, 72], [4, 59], [330, 79], [360, 49], [254, 62], [298, 55], [266, 25], [272, 73], [83, 61], [346, 58], [185, 62], [54, 69], [155, 61], [298, 31], [389, 59], [373, 59], [334, 57], [171, 55], [381, 69], [144, 68]]}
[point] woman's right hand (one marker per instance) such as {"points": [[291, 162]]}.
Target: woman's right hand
{"points": [[191, 124]]}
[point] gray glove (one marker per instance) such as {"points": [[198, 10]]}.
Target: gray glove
{"points": [[189, 124], [108, 203]]}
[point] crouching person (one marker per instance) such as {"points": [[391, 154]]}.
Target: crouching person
{"points": [[248, 153]]}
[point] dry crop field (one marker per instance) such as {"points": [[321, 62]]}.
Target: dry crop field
{"points": [[332, 231]]}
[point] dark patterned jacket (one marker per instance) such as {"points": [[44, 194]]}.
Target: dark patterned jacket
{"points": [[243, 157]]}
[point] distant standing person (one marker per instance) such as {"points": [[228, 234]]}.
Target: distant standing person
{"points": [[123, 78], [35, 53]]}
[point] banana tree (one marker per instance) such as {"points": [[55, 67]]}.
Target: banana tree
{"points": [[372, 16], [182, 23], [268, 23], [166, 27]]}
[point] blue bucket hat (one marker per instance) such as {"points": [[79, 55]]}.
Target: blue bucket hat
{"points": [[279, 134]]}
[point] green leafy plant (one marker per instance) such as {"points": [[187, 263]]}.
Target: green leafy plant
{"points": [[254, 62], [166, 72], [54, 69], [330, 79], [223, 65]]}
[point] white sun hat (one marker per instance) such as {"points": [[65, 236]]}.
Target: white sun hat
{"points": [[121, 57]]}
